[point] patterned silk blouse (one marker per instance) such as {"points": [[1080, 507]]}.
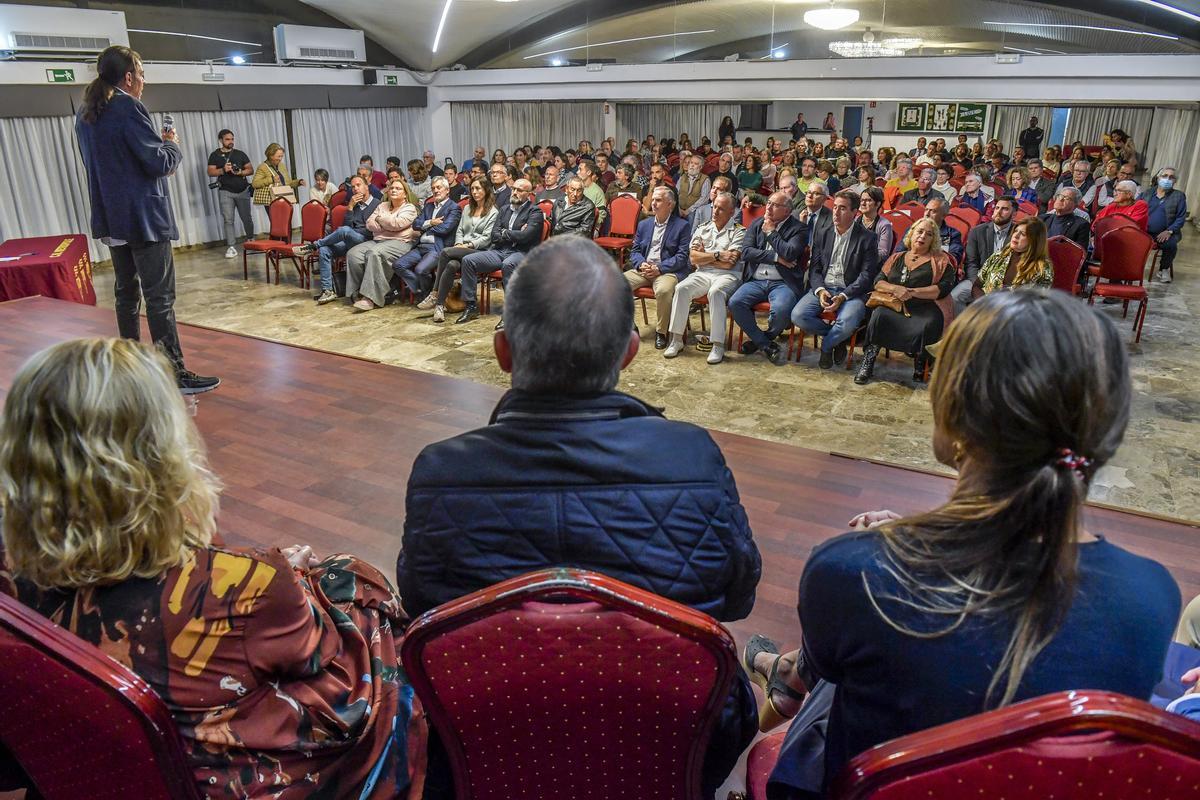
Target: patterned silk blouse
{"points": [[994, 275], [283, 684]]}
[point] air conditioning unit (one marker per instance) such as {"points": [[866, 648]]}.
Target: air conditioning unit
{"points": [[38, 31], [306, 43]]}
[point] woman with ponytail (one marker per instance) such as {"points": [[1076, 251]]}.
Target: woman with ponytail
{"points": [[998, 595]]}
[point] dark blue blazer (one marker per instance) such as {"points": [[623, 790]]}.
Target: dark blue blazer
{"points": [[127, 164], [788, 241], [443, 235], [522, 236], [861, 264], [674, 254]]}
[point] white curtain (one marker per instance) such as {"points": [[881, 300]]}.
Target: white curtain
{"points": [[43, 187], [668, 120], [1174, 142], [1088, 124], [510, 125], [1009, 121], [335, 138]]}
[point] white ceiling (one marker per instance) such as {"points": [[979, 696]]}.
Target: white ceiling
{"points": [[526, 33]]}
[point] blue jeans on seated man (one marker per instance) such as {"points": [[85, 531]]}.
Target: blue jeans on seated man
{"points": [[486, 261], [807, 317], [335, 244], [748, 295], [416, 268]]}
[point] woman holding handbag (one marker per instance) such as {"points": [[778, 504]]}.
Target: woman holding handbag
{"points": [[271, 179], [910, 302]]}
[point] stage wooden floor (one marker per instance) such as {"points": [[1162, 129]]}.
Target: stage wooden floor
{"points": [[316, 448]]}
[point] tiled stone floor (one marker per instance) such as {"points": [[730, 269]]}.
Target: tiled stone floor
{"points": [[1156, 470]]}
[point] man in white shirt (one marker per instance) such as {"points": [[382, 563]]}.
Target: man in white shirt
{"points": [[715, 249]]}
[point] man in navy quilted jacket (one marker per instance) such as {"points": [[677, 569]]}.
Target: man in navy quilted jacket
{"points": [[570, 472]]}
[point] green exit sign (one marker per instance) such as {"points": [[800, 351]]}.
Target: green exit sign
{"points": [[392, 80], [60, 75]]}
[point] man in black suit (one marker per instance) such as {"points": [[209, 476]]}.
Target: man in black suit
{"points": [[983, 240], [813, 213], [841, 269], [1031, 138], [518, 230], [501, 185], [773, 263], [1063, 221], [1040, 183]]}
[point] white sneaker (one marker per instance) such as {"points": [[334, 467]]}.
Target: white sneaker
{"points": [[428, 302], [327, 296], [674, 348], [231, 252], [439, 313], [1164, 276], [717, 355]]}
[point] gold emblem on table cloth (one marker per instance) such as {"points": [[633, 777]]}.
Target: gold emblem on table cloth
{"points": [[62, 247], [198, 640]]}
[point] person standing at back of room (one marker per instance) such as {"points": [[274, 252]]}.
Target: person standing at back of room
{"points": [[128, 162], [230, 167]]}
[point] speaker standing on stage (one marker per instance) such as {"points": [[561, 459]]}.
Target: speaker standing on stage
{"points": [[127, 163]]}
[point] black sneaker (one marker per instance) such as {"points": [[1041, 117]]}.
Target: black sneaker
{"points": [[191, 383], [775, 354], [826, 360], [748, 348], [839, 353]]}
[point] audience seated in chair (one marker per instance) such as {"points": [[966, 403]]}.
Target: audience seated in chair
{"points": [[473, 235], [1125, 203], [899, 185], [813, 212], [625, 183], [518, 229], [501, 184], [1062, 220], [574, 213], [983, 241], [338, 243], [701, 212], [972, 194], [435, 225], [280, 668], [773, 268], [714, 251], [369, 265], [693, 185], [910, 303], [842, 269], [924, 190], [996, 596], [1023, 261], [870, 203], [1168, 211], [593, 190], [936, 210], [571, 472], [658, 257]]}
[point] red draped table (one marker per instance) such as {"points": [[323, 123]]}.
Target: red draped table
{"points": [[52, 266]]}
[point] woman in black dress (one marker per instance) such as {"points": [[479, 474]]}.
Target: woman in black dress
{"points": [[727, 130], [919, 277]]}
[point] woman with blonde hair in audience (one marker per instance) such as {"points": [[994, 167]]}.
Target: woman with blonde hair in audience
{"points": [[1018, 186], [421, 183], [789, 160], [474, 234], [818, 151], [1125, 203], [1024, 261], [271, 178], [910, 302], [279, 668], [1000, 594], [369, 265]]}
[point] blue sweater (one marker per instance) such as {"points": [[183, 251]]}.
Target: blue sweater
{"points": [[889, 684]]}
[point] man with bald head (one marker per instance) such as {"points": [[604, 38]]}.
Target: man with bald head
{"points": [[572, 472], [518, 229]]}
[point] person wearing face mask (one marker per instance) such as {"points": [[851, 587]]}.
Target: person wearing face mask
{"points": [[1168, 209], [518, 230], [693, 186]]}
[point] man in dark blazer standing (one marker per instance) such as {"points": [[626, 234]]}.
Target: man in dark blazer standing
{"points": [[518, 230], [842, 269], [437, 223], [659, 256], [774, 257], [127, 162]]}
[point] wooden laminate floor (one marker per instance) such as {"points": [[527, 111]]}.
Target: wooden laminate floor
{"points": [[316, 448]]}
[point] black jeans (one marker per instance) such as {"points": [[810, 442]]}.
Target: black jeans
{"points": [[147, 270]]}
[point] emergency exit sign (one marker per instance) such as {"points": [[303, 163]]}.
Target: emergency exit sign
{"points": [[60, 75], [392, 80]]}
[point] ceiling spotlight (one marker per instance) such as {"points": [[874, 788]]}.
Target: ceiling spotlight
{"points": [[237, 60], [831, 18], [780, 54], [554, 62]]}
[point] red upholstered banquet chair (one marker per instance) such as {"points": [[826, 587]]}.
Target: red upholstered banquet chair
{"points": [[278, 243], [338, 198], [966, 214], [1103, 226], [565, 683], [312, 227], [751, 212], [1069, 745], [912, 208], [959, 224], [79, 724], [901, 222], [623, 219], [1068, 258], [1122, 270]]}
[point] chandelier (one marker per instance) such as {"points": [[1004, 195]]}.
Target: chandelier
{"points": [[869, 48], [831, 18]]}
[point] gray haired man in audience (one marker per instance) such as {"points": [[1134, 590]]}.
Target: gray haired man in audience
{"points": [[574, 213]]}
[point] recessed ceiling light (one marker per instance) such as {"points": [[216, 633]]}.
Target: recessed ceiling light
{"points": [[619, 41], [437, 37], [1172, 9], [238, 59], [554, 62], [1082, 27], [831, 18]]}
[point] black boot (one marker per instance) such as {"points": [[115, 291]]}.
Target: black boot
{"points": [[866, 367], [919, 362], [469, 313]]}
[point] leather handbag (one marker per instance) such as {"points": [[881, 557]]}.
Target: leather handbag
{"points": [[878, 299], [454, 301]]}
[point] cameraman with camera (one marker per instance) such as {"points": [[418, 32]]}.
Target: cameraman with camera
{"points": [[230, 167]]}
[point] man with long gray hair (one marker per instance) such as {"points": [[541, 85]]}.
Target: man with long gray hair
{"points": [[571, 472]]}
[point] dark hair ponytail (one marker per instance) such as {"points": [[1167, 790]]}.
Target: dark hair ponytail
{"points": [[1033, 390], [111, 69]]}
